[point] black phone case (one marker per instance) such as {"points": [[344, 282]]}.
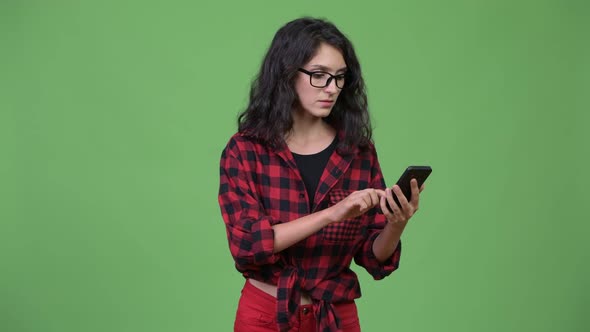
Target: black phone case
{"points": [[420, 173]]}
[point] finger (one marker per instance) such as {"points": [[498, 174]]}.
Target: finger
{"points": [[394, 207], [422, 187], [374, 198], [356, 209], [386, 212], [415, 199], [366, 198], [371, 197], [381, 192], [362, 204]]}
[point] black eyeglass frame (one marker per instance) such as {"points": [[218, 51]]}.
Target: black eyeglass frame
{"points": [[332, 77]]}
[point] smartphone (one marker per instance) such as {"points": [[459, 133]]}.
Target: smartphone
{"points": [[420, 173]]}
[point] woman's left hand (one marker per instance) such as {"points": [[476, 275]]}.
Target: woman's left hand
{"points": [[403, 212]]}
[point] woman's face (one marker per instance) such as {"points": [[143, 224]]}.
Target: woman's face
{"points": [[314, 101]]}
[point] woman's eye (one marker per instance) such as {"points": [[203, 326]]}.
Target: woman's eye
{"points": [[319, 75]]}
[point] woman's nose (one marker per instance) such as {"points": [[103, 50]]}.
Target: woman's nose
{"points": [[331, 87]]}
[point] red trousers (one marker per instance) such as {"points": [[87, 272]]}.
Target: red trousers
{"points": [[257, 313]]}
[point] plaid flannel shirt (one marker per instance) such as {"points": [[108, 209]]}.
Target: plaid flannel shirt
{"points": [[261, 187]]}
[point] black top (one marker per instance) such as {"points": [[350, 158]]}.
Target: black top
{"points": [[311, 167]]}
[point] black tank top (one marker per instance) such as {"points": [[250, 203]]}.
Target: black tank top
{"points": [[311, 167]]}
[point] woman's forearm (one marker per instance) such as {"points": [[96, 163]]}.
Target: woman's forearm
{"points": [[289, 233], [386, 242]]}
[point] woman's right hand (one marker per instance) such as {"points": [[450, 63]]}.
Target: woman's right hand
{"points": [[355, 204]]}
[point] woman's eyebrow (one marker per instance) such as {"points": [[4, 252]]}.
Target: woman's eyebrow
{"points": [[324, 68]]}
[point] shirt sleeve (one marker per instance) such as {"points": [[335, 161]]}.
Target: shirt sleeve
{"points": [[249, 230], [365, 256]]}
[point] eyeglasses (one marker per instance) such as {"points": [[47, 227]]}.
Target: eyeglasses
{"points": [[321, 79]]}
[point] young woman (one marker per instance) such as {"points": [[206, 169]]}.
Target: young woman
{"points": [[301, 191]]}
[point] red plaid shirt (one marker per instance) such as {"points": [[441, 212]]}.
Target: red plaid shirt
{"points": [[261, 187]]}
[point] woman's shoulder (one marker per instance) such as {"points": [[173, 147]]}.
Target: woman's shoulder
{"points": [[364, 151], [242, 138], [241, 142]]}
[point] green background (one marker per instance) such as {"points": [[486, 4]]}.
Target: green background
{"points": [[113, 115]]}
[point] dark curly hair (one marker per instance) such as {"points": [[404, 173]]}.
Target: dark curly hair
{"points": [[268, 116]]}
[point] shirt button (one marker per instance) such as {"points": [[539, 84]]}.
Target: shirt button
{"points": [[305, 310], [301, 196]]}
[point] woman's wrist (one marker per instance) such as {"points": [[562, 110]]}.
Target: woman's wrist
{"points": [[395, 228], [328, 216]]}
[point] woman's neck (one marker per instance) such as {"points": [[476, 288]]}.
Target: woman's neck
{"points": [[309, 136]]}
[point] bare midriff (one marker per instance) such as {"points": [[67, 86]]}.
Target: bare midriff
{"points": [[272, 290]]}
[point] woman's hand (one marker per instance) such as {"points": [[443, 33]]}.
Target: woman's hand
{"points": [[356, 204], [403, 212]]}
